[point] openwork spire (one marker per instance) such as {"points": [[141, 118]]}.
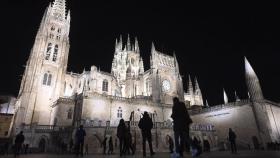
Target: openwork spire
{"points": [[59, 8], [252, 81], [190, 86], [196, 86]]}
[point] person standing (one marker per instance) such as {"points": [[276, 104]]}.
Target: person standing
{"points": [[86, 149], [121, 135], [170, 143], [181, 122], [80, 137], [232, 137], [146, 125], [111, 146], [18, 143], [104, 144]]}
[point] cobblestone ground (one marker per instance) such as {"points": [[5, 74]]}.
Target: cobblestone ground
{"points": [[241, 154]]}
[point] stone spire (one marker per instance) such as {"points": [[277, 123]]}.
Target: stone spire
{"points": [[176, 64], [252, 82], [197, 94], [120, 43], [136, 46], [153, 49], [141, 66], [128, 43], [236, 96], [190, 86], [196, 87], [225, 97], [59, 8], [206, 103]]}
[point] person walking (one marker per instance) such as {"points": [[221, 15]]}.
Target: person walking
{"points": [[80, 137], [146, 125], [18, 143], [232, 138], [111, 146], [181, 122], [121, 135]]}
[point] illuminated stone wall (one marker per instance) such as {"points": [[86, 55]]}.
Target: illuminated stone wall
{"points": [[240, 119], [102, 108]]}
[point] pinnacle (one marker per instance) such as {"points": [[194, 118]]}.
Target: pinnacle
{"points": [[59, 8]]}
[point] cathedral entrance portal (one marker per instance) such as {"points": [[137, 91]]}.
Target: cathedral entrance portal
{"points": [[204, 133], [42, 145]]}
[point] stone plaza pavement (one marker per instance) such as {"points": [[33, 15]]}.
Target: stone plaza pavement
{"points": [[218, 154]]}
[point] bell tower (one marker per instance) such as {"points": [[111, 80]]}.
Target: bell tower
{"points": [[42, 82]]}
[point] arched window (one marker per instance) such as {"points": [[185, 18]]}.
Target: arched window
{"points": [[52, 28], [49, 80], [45, 79], [119, 114], [55, 53], [48, 53], [69, 113], [105, 85]]}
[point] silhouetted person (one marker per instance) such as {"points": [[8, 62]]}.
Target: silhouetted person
{"points": [[170, 143], [80, 137], [121, 135], [232, 137], [18, 143], [206, 145], [181, 122], [128, 141], [71, 145], [86, 149], [196, 146], [104, 144], [5, 149], [146, 124], [111, 145], [26, 148]]}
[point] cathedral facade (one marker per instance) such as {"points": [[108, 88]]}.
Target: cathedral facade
{"points": [[51, 99]]}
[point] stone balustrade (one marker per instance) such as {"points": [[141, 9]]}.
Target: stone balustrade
{"points": [[219, 107]]}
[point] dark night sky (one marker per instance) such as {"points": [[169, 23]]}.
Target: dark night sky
{"points": [[208, 46]]}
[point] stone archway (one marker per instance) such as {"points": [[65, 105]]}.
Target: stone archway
{"points": [[43, 144]]}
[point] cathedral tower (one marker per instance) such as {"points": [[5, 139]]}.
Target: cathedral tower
{"points": [[46, 67], [127, 66]]}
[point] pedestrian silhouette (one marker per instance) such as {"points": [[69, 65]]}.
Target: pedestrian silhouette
{"points": [[5, 149], [206, 145], [26, 146], [104, 144], [111, 145], [18, 143], [80, 137], [170, 143], [196, 147], [86, 149], [232, 138], [181, 122], [146, 125], [121, 135]]}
